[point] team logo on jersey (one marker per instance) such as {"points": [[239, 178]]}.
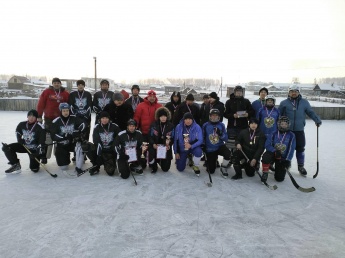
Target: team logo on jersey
{"points": [[68, 129], [269, 122], [80, 103], [28, 136], [106, 138], [130, 144], [103, 102], [214, 138], [280, 146]]}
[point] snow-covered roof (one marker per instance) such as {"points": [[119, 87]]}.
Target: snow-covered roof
{"points": [[331, 87]]}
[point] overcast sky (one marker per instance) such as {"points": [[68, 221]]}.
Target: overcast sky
{"points": [[268, 40]]}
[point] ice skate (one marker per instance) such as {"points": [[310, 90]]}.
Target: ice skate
{"points": [[14, 169]]}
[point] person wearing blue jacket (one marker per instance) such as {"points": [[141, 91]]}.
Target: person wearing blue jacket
{"points": [[188, 139], [215, 135], [280, 147], [295, 108], [260, 103], [268, 116]]}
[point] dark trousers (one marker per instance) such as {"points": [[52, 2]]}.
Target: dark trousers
{"points": [[241, 162], [212, 157], [62, 154], [280, 170], [11, 154]]}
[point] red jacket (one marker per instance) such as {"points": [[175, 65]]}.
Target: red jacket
{"points": [[49, 102], [145, 114]]}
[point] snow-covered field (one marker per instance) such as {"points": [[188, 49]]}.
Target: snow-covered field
{"points": [[175, 214]]}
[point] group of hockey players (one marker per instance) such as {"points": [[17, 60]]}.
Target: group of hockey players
{"points": [[133, 132]]}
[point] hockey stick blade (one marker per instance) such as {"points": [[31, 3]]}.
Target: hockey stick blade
{"points": [[317, 170], [274, 187], [305, 190], [85, 170], [44, 167]]}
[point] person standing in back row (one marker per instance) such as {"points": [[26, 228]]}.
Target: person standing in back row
{"points": [[101, 99], [260, 103], [135, 99], [48, 104], [295, 108]]}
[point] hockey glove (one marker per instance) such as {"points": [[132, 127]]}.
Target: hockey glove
{"points": [[318, 124], [219, 132]]}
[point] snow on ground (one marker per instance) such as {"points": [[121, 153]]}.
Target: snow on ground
{"points": [[174, 214]]}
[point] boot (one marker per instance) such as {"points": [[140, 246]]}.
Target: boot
{"points": [[302, 170], [14, 169], [190, 160], [154, 168], [224, 171], [196, 170], [238, 174]]}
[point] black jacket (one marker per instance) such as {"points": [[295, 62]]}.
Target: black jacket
{"points": [[81, 104], [101, 99], [32, 135], [204, 114], [233, 105], [156, 135], [182, 109], [64, 132], [254, 150], [172, 105], [104, 137], [126, 139], [120, 114], [135, 102]]}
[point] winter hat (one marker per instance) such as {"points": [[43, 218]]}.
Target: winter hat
{"points": [[135, 86], [253, 120], [162, 112], [104, 81], [263, 89], [205, 96], [190, 97], [151, 92], [213, 95], [187, 116], [131, 122], [104, 114], [56, 80], [81, 82], [33, 112], [125, 94], [117, 96]]}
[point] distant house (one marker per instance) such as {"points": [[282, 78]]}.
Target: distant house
{"points": [[17, 82], [324, 88], [171, 88]]}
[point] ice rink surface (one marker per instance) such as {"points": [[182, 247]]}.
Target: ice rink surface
{"points": [[175, 214]]}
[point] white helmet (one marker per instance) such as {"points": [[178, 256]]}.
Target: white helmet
{"points": [[270, 97], [294, 87]]}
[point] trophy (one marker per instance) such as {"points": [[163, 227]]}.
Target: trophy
{"points": [[143, 149], [186, 139]]}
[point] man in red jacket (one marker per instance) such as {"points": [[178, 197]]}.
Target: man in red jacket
{"points": [[48, 104], [145, 113]]}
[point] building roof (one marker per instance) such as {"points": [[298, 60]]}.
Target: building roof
{"points": [[327, 86]]}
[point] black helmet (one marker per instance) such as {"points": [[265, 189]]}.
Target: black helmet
{"points": [[214, 111], [131, 122], [283, 119]]}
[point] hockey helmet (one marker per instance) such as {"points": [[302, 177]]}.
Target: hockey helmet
{"points": [[131, 122], [63, 106], [270, 97], [214, 111]]}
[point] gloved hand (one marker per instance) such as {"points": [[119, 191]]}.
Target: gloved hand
{"points": [[219, 132], [277, 154], [41, 150], [318, 124], [285, 163]]}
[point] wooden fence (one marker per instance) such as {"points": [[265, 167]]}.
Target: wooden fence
{"points": [[325, 113]]}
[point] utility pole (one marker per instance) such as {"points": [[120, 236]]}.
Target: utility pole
{"points": [[95, 73]]}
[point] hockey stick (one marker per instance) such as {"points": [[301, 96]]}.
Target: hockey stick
{"points": [[209, 173], [85, 170], [317, 152], [135, 181], [53, 175], [274, 187], [305, 190]]}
